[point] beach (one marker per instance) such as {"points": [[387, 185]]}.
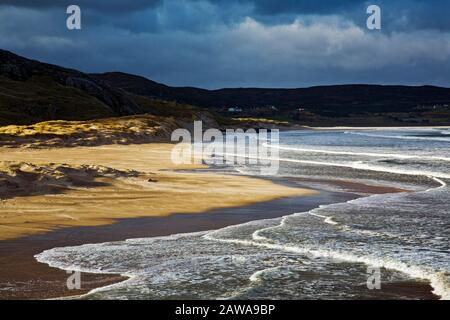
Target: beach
{"points": [[108, 184], [22, 277], [136, 225], [29, 279]]}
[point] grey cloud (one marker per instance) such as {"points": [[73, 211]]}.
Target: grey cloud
{"points": [[197, 14], [107, 6], [211, 45]]}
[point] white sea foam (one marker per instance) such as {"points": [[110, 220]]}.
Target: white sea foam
{"points": [[365, 154], [438, 280], [328, 220], [443, 183], [353, 165], [384, 136], [257, 276]]}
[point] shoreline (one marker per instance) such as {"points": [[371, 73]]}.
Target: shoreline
{"points": [[18, 255], [51, 196], [52, 280], [25, 278]]}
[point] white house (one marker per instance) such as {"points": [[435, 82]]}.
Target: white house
{"points": [[235, 109]]}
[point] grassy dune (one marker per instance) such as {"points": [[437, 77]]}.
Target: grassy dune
{"points": [[125, 130]]}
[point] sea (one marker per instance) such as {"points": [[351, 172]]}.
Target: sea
{"points": [[383, 246]]}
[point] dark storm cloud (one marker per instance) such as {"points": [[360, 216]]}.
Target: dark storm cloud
{"points": [[270, 7], [399, 14], [231, 43], [107, 6]]}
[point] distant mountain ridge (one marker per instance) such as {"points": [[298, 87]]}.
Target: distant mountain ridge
{"points": [[345, 98]]}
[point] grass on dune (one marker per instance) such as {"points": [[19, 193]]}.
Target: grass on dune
{"points": [[131, 124]]}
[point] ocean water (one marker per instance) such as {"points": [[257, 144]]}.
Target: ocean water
{"points": [[320, 254]]}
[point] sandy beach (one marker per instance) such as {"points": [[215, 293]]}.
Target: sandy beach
{"points": [[53, 188], [22, 277], [29, 279], [51, 194], [72, 196]]}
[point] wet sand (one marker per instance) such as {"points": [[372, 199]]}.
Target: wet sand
{"points": [[28, 279]]}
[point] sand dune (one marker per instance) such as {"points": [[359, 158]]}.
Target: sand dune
{"points": [[27, 179], [61, 133]]}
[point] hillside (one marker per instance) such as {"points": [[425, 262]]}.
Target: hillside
{"points": [[32, 91], [374, 98], [345, 104]]}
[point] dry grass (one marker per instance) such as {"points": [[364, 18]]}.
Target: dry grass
{"points": [[132, 129]]}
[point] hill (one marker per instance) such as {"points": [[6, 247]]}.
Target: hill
{"points": [[32, 91], [350, 98], [333, 105]]}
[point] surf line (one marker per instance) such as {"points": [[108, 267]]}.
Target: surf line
{"points": [[367, 154], [355, 165], [328, 220], [443, 184], [397, 137], [440, 286]]}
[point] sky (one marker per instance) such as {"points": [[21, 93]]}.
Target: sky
{"points": [[238, 43]]}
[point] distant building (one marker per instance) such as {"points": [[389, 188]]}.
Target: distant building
{"points": [[235, 110]]}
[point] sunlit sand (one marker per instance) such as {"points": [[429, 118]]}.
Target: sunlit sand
{"points": [[113, 182]]}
